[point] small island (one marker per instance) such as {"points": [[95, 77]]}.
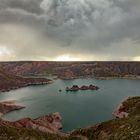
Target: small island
{"points": [[84, 87]]}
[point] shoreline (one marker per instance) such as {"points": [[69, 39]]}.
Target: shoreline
{"points": [[52, 123], [125, 77], [128, 77], [9, 106], [102, 78], [25, 85]]}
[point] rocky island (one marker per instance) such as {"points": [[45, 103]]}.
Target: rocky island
{"points": [[84, 87]]}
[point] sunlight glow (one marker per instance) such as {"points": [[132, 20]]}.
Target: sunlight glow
{"points": [[137, 58], [67, 58], [6, 54], [3, 51]]}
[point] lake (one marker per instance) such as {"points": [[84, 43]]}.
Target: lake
{"points": [[78, 109]]}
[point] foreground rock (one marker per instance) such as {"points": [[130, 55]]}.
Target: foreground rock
{"points": [[47, 124], [120, 112], [8, 106]]}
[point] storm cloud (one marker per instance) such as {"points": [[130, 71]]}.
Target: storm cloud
{"points": [[82, 29]]}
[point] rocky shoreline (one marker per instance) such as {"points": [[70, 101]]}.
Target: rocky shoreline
{"points": [[120, 112], [133, 77], [8, 106], [32, 82], [119, 77], [10, 81], [51, 123], [49, 126]]}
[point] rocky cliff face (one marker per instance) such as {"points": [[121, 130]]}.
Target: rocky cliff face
{"points": [[69, 70], [47, 124]]}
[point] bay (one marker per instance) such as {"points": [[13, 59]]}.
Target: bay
{"points": [[78, 109]]}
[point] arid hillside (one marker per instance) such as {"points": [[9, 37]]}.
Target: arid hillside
{"points": [[9, 81], [70, 70]]}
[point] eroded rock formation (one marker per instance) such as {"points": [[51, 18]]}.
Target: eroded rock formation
{"points": [[70, 70], [120, 112], [8, 106], [84, 87], [48, 124]]}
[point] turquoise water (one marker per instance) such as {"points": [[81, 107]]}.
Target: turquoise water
{"points": [[78, 109]]}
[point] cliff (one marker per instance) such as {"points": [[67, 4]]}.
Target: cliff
{"points": [[70, 70]]}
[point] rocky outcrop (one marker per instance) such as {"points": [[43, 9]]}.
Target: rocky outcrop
{"points": [[67, 75], [47, 124], [120, 112], [128, 107], [8, 106], [84, 87]]}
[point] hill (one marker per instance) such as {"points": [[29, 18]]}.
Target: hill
{"points": [[9, 81]]}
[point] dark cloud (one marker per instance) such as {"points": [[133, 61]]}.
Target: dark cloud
{"points": [[83, 27], [27, 5]]}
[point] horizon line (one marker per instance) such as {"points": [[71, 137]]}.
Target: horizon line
{"points": [[68, 61]]}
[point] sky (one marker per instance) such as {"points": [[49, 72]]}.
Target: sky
{"points": [[70, 30]]}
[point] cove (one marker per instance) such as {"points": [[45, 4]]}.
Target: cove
{"points": [[78, 109]]}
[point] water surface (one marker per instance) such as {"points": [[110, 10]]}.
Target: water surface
{"points": [[78, 109]]}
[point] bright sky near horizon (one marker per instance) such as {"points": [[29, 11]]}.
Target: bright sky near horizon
{"points": [[70, 30]]}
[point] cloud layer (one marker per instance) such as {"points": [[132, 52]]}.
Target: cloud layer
{"points": [[82, 29]]}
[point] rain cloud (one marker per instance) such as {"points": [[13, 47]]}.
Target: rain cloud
{"points": [[81, 29]]}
